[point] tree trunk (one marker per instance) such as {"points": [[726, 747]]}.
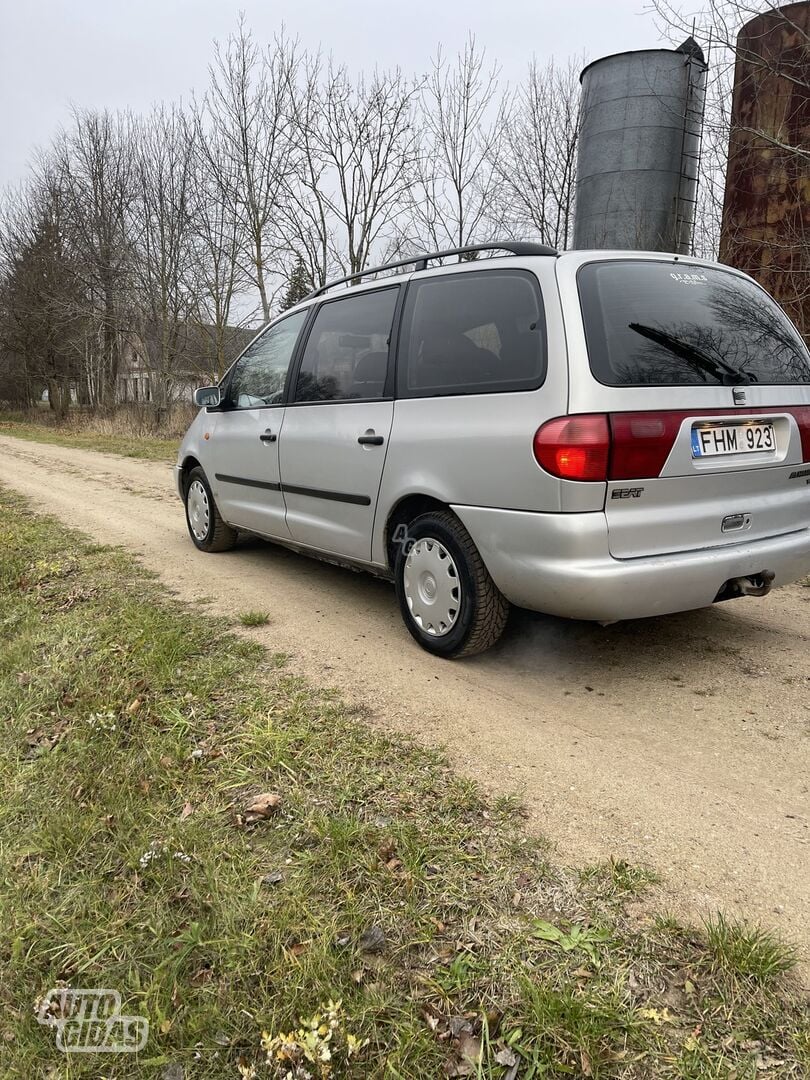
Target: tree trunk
{"points": [[58, 399]]}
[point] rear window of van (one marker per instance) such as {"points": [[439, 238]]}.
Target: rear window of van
{"points": [[670, 324]]}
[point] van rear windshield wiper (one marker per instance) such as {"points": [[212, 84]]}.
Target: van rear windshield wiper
{"points": [[694, 357]]}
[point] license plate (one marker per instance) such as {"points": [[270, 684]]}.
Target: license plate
{"points": [[714, 440]]}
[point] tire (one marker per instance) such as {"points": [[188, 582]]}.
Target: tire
{"points": [[448, 601], [205, 526]]}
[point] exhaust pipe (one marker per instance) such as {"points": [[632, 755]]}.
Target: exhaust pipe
{"points": [[753, 585]]}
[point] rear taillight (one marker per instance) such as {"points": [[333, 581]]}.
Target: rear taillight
{"points": [[802, 415], [629, 446], [641, 443], [574, 447], [596, 447]]}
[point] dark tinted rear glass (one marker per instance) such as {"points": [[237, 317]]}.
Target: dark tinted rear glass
{"points": [[664, 324], [472, 333]]}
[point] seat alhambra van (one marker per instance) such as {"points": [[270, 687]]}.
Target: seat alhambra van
{"points": [[596, 435]]}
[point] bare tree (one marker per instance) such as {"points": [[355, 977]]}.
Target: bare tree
{"points": [[359, 148], [248, 113], [93, 162], [455, 193], [288, 169], [217, 237], [536, 163], [719, 24], [160, 229], [307, 223]]}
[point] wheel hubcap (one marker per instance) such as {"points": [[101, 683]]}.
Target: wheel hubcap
{"points": [[432, 587], [199, 513]]}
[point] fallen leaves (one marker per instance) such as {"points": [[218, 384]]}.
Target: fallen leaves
{"points": [[261, 807], [467, 1035], [506, 1057], [467, 1057], [38, 741], [386, 850], [372, 940], [387, 854], [658, 1016]]}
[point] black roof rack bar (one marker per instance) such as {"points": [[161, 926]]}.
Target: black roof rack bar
{"points": [[514, 247]]}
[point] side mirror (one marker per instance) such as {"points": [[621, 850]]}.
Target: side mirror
{"points": [[207, 396]]}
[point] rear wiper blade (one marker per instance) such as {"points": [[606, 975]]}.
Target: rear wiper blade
{"points": [[692, 355]]}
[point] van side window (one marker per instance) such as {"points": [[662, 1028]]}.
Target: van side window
{"points": [[259, 375], [478, 332], [346, 355]]}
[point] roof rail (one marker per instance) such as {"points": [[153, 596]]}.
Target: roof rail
{"points": [[514, 247]]}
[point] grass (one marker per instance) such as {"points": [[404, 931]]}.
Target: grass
{"points": [[254, 618], [117, 435], [617, 878], [384, 910], [748, 950]]}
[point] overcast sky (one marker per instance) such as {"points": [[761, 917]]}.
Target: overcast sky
{"points": [[120, 53]]}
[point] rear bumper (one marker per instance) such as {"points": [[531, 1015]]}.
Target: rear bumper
{"points": [[559, 564], [178, 481]]}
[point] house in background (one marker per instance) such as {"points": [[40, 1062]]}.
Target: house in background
{"points": [[195, 363]]}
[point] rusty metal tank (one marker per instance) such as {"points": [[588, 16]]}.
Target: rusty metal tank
{"points": [[766, 213]]}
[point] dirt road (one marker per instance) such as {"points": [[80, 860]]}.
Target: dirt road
{"points": [[679, 742]]}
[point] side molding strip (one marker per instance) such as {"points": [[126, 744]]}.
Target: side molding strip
{"points": [[247, 483], [313, 493]]}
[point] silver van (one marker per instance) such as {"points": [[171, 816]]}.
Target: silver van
{"points": [[597, 435]]}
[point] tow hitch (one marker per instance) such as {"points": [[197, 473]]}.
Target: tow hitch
{"points": [[753, 585]]}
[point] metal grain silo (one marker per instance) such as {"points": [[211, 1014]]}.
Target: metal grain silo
{"points": [[639, 149], [766, 214]]}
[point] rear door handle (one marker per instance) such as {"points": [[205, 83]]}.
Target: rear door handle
{"points": [[267, 436], [370, 439]]}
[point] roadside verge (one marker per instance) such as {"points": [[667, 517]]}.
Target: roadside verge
{"points": [[140, 852]]}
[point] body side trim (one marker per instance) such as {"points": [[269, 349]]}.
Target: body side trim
{"points": [[315, 493]]}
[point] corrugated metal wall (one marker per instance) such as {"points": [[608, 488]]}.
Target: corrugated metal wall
{"points": [[766, 216], [639, 150]]}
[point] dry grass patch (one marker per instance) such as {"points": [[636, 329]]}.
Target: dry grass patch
{"points": [[128, 432], [254, 618]]}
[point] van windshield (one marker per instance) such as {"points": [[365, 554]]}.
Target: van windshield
{"points": [[664, 324]]}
